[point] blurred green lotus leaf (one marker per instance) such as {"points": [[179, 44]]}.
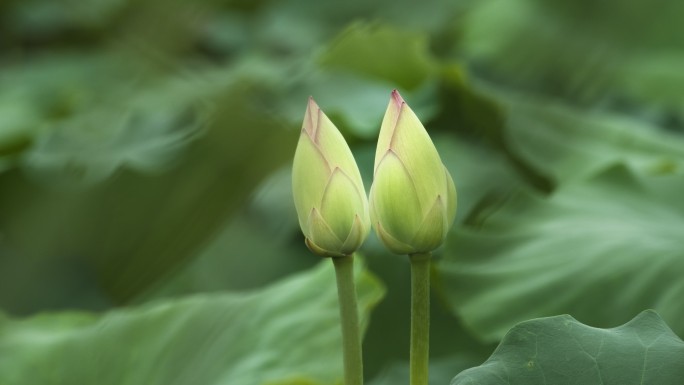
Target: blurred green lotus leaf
{"points": [[284, 333], [384, 52], [600, 250]]}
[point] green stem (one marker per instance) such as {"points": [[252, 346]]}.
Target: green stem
{"points": [[351, 335], [420, 318]]}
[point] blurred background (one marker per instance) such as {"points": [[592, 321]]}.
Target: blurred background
{"points": [[145, 151]]}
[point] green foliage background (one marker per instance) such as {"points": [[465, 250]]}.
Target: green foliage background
{"points": [[147, 230]]}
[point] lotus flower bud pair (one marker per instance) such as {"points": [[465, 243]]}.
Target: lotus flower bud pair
{"points": [[412, 199]]}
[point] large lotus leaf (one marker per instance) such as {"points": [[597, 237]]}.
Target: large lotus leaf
{"points": [[601, 251], [16, 128], [101, 113], [134, 229], [355, 106], [35, 17], [567, 144], [482, 176], [287, 333], [581, 50], [38, 94], [562, 351], [383, 52], [552, 143], [253, 250], [656, 79]]}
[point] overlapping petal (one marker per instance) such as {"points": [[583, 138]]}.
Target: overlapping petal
{"points": [[341, 202], [330, 142], [322, 236], [356, 236], [394, 245], [432, 230], [393, 198], [310, 173]]}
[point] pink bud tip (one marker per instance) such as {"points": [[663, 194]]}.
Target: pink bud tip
{"points": [[397, 98], [311, 118], [312, 103]]}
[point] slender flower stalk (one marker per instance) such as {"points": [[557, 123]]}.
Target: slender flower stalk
{"points": [[351, 334], [332, 209], [412, 207], [420, 318]]}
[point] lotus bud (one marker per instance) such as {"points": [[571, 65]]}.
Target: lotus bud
{"points": [[328, 191], [413, 198]]}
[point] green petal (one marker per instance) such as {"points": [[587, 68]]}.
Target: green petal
{"points": [[393, 199], [341, 203], [413, 146], [310, 174], [433, 230], [451, 199], [332, 144], [321, 234], [356, 237], [403, 133], [320, 251], [392, 243], [389, 123]]}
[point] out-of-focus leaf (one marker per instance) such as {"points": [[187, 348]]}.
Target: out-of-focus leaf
{"points": [[90, 115], [135, 228], [246, 254], [290, 29], [562, 351], [482, 176], [284, 333], [581, 50], [144, 131], [354, 103], [405, 14], [479, 112], [17, 127], [384, 52], [551, 143], [42, 18], [568, 144], [40, 94], [656, 81], [600, 250]]}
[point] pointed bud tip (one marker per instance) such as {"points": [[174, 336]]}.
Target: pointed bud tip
{"points": [[311, 105], [310, 117], [397, 98]]}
